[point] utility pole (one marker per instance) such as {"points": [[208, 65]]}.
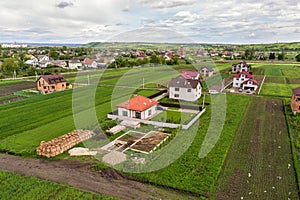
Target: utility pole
{"points": [[203, 101], [143, 83]]}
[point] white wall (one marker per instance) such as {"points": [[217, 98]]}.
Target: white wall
{"points": [[184, 94], [144, 114]]}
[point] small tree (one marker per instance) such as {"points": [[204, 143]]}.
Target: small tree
{"points": [[272, 56], [281, 56]]}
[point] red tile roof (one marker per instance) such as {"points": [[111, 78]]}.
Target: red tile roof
{"points": [[88, 61], [189, 74], [296, 91], [138, 103], [247, 74]]}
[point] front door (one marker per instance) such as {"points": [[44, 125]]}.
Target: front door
{"points": [[138, 115]]}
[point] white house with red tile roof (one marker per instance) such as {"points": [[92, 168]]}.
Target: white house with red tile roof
{"points": [[89, 63], [138, 107], [245, 80]]}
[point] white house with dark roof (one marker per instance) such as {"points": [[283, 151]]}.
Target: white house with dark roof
{"points": [[184, 89], [207, 71], [240, 67]]}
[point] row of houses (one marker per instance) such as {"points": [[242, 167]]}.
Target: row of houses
{"points": [[43, 61]]}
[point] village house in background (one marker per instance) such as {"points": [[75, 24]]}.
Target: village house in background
{"points": [[207, 71], [138, 107], [90, 64], [51, 83], [245, 80], [240, 67], [295, 101], [75, 64], [183, 87]]}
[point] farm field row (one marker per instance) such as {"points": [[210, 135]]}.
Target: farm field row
{"points": [[259, 163], [14, 186]]}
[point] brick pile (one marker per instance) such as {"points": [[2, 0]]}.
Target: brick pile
{"points": [[63, 143]]}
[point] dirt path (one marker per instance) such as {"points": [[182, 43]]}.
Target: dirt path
{"points": [[259, 164], [80, 175]]}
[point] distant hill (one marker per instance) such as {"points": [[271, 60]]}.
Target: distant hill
{"points": [[294, 46]]}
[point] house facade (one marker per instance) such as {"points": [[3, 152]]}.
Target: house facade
{"points": [[184, 89], [138, 107], [245, 80], [295, 101], [75, 64], [240, 67], [206, 71], [51, 83]]}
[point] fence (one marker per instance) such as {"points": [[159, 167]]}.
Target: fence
{"points": [[159, 124]]}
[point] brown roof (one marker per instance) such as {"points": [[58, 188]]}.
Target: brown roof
{"points": [[138, 103], [53, 78], [181, 82], [296, 91]]}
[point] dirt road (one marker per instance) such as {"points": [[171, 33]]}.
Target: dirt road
{"points": [[80, 175]]}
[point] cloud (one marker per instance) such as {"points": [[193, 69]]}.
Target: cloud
{"points": [[64, 4], [230, 21], [167, 4]]}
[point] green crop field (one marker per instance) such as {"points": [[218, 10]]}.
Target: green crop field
{"points": [[280, 90], [44, 117], [259, 163], [14, 186]]}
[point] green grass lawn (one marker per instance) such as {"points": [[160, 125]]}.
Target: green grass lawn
{"points": [[175, 117], [14, 186]]}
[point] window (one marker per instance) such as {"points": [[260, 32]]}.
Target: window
{"points": [[242, 79], [149, 112], [236, 84], [176, 95], [125, 113], [63, 85], [53, 87], [177, 89], [250, 83], [189, 90]]}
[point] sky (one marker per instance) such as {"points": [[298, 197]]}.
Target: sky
{"points": [[199, 21]]}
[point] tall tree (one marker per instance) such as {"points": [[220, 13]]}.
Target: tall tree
{"points": [[10, 65]]}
